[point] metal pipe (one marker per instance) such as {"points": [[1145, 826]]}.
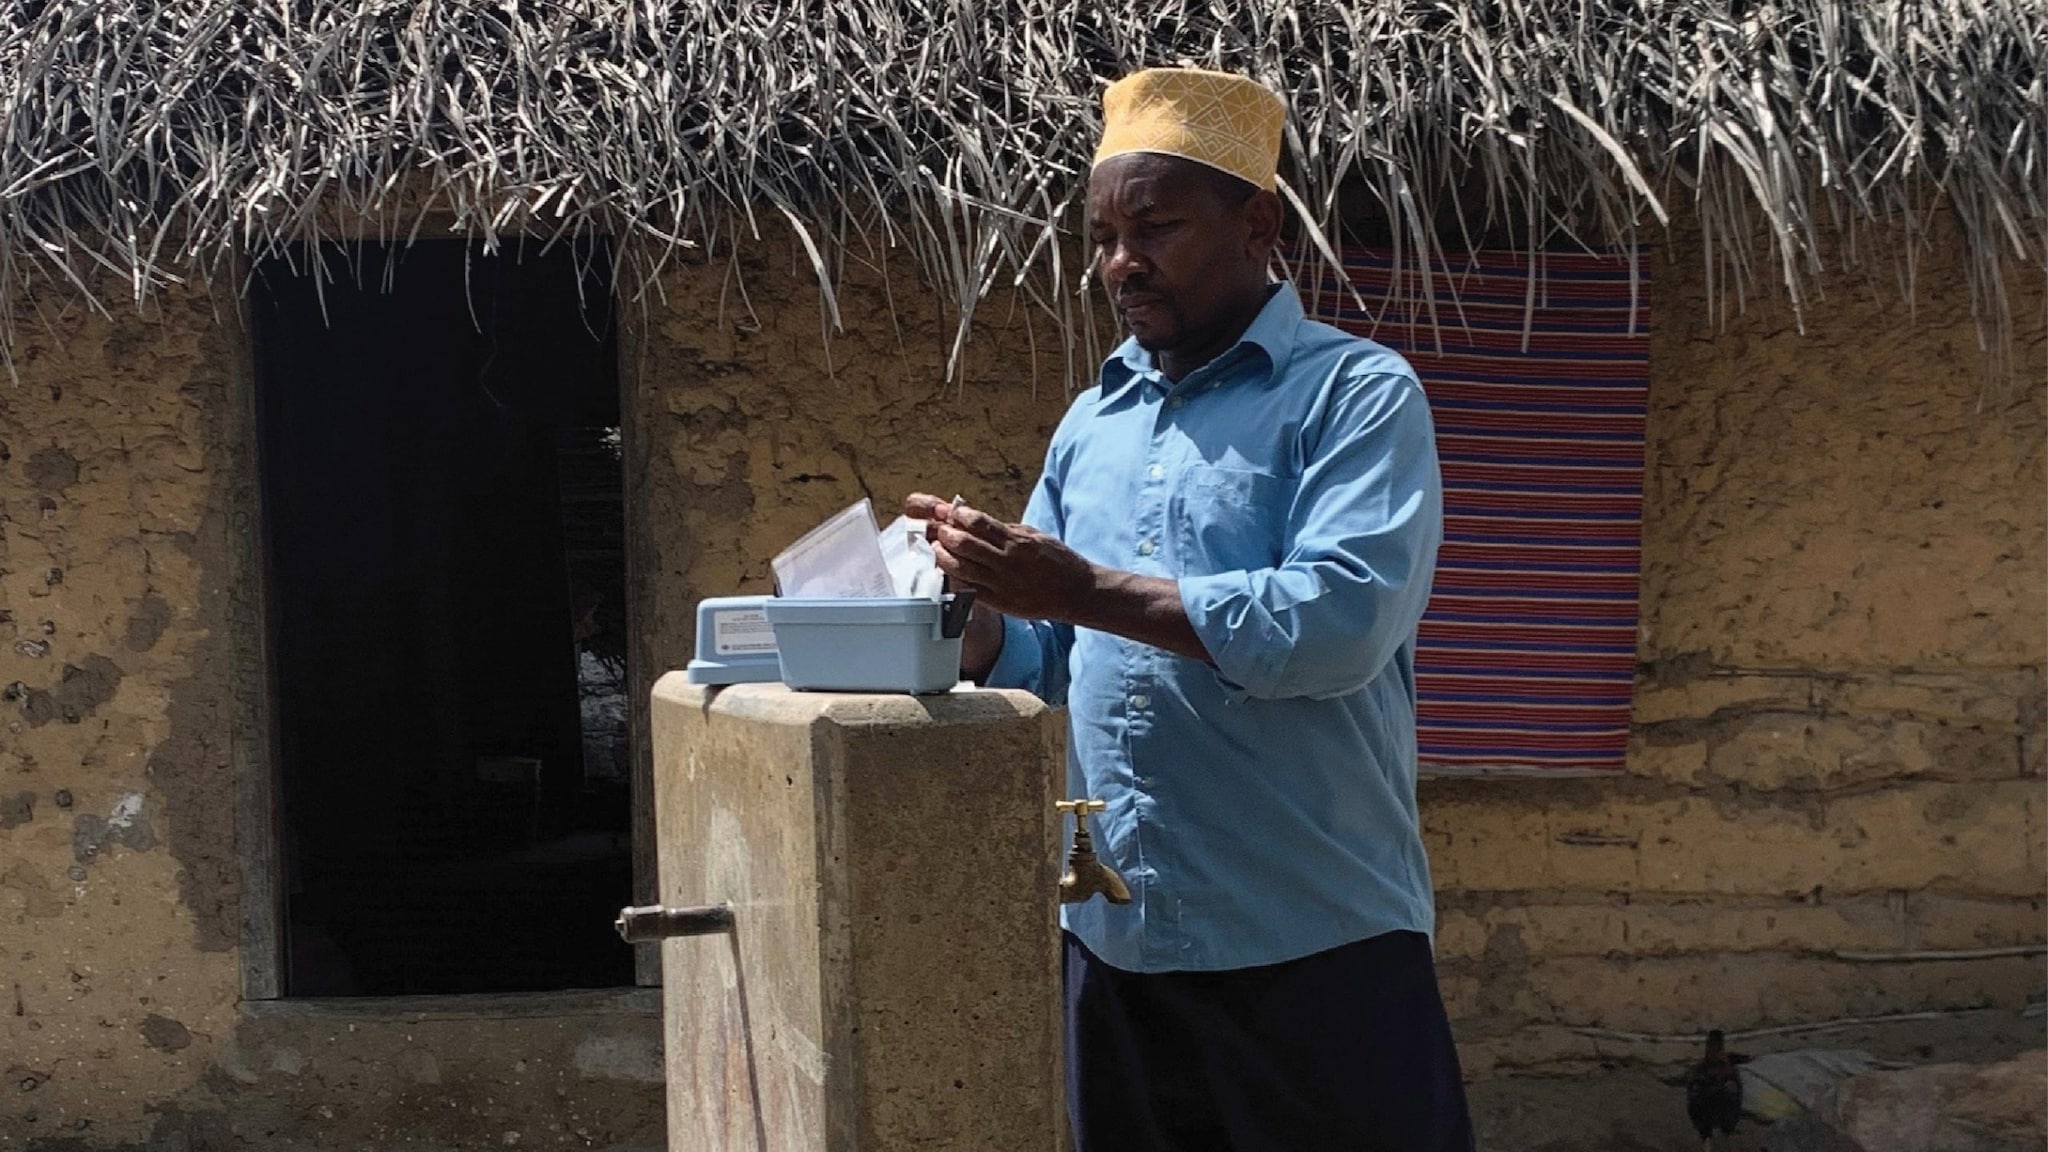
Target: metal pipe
{"points": [[658, 922]]}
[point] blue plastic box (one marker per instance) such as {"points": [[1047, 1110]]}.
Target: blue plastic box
{"points": [[870, 645], [735, 642]]}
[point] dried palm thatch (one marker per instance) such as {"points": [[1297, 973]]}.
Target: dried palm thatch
{"points": [[158, 139]]}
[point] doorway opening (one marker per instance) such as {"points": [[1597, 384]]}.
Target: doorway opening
{"points": [[439, 437]]}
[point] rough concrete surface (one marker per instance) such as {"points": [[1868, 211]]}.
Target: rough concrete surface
{"points": [[2001, 1107], [891, 980], [1838, 753]]}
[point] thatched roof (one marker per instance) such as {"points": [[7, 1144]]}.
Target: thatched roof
{"points": [[157, 137]]}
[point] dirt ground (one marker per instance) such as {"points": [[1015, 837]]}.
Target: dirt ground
{"points": [[1635, 1107]]}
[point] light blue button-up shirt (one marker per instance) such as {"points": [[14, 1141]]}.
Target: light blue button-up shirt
{"points": [[1264, 808]]}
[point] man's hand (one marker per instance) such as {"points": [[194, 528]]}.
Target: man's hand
{"points": [[1013, 568], [1017, 569], [981, 642]]}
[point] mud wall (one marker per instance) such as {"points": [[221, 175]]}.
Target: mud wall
{"points": [[131, 697], [117, 903], [1838, 751], [132, 715], [1838, 754]]}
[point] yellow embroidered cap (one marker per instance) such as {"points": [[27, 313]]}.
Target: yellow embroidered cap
{"points": [[1223, 120]]}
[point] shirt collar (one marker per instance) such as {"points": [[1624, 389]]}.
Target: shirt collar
{"points": [[1273, 331]]}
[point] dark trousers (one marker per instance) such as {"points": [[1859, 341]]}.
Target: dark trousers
{"points": [[1347, 1050]]}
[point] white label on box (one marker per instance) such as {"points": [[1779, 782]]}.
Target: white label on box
{"points": [[741, 632]]}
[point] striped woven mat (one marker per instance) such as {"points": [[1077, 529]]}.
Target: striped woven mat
{"points": [[1526, 658]]}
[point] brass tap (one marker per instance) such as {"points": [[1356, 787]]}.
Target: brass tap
{"points": [[1086, 876]]}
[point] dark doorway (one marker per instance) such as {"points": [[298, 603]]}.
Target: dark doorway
{"points": [[445, 528]]}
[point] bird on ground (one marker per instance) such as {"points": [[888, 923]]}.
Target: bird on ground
{"points": [[1713, 1091]]}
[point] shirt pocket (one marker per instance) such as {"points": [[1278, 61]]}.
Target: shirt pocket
{"points": [[1230, 518]]}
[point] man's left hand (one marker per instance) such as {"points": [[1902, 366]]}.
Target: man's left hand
{"points": [[1013, 568]]}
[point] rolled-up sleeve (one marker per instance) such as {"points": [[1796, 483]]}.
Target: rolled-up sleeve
{"points": [[1362, 534], [1034, 658]]}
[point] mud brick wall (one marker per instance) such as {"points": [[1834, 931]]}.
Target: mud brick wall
{"points": [[127, 597], [1839, 745], [129, 612], [1838, 740]]}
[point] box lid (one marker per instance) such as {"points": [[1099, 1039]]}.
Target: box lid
{"points": [[858, 610]]}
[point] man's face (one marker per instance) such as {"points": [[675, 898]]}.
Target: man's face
{"points": [[1176, 247]]}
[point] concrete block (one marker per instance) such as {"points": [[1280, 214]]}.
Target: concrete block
{"points": [[892, 980]]}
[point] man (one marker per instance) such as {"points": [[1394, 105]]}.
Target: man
{"points": [[1220, 574]]}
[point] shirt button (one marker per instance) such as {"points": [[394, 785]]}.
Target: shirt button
{"points": [[1176, 401], [1141, 701], [1147, 548], [1155, 472]]}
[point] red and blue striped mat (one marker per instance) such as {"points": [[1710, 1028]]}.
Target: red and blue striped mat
{"points": [[1537, 376]]}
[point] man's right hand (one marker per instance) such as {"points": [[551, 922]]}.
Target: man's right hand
{"points": [[982, 641]]}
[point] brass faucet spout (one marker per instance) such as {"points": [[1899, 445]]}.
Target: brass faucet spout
{"points": [[1087, 876]]}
